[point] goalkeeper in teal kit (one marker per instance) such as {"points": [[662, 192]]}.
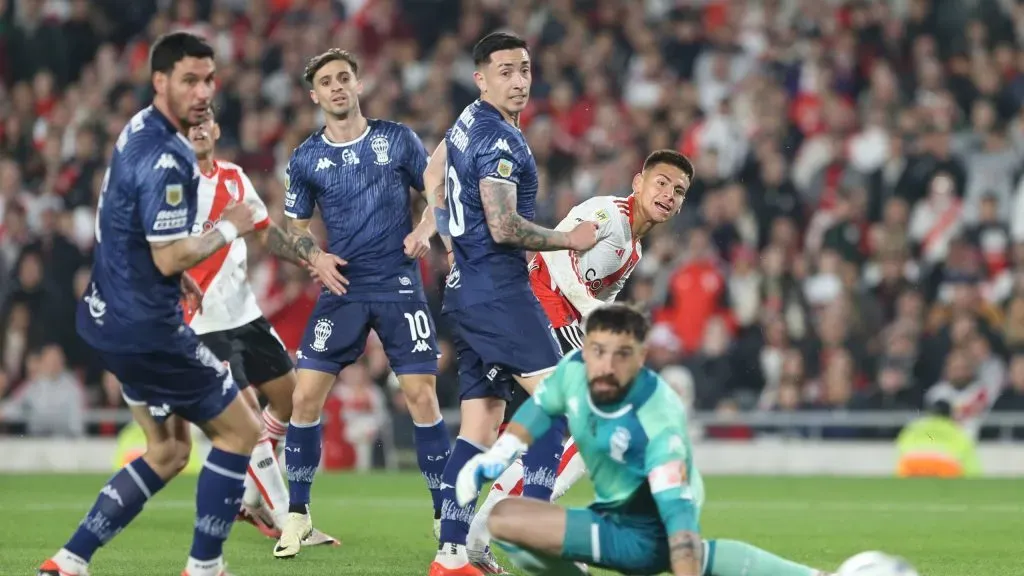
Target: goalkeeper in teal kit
{"points": [[630, 428]]}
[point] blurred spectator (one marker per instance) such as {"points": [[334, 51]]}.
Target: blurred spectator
{"points": [[51, 401]]}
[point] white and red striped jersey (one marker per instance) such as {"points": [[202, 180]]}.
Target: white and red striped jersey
{"points": [[570, 284], [228, 300]]}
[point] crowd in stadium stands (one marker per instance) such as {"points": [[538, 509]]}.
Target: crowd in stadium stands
{"points": [[854, 238]]}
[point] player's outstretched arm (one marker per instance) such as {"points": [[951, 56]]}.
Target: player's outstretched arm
{"points": [[177, 256], [507, 226]]}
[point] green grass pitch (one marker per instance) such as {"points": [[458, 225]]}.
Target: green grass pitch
{"points": [[945, 528]]}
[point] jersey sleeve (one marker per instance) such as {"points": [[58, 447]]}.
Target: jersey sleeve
{"points": [[298, 197], [255, 203], [665, 462], [563, 265], [163, 179], [416, 158], [499, 157]]}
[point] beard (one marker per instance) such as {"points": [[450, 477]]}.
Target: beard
{"points": [[606, 389]]}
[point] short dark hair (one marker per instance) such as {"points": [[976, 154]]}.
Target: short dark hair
{"points": [[320, 60], [672, 158], [940, 408], [174, 47], [496, 42], [618, 318]]}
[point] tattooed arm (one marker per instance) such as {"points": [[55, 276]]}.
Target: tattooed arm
{"points": [[295, 245], [177, 256], [686, 550], [508, 227]]}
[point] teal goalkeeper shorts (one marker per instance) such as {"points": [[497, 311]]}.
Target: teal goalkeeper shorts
{"points": [[625, 543]]}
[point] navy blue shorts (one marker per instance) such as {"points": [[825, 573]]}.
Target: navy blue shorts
{"points": [[190, 382], [336, 335], [499, 339]]}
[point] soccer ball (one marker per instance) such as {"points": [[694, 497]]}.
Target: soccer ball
{"points": [[876, 564]]}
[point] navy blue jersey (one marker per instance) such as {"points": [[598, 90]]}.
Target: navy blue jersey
{"points": [[148, 195], [362, 190], [482, 145]]}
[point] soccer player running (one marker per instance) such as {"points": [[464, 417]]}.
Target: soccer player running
{"points": [[571, 284], [487, 174], [131, 314], [359, 172], [229, 321], [631, 429]]}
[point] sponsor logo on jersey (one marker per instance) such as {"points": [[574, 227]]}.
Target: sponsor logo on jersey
{"points": [[349, 158], [170, 219], [602, 215]]}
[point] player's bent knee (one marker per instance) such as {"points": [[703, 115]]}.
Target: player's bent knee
{"points": [[506, 520], [279, 393], [168, 457]]}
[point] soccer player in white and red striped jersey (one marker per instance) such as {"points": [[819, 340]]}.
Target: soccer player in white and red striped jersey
{"points": [[229, 321], [570, 284]]}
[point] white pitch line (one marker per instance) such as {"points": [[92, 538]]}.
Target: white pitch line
{"points": [[752, 505]]}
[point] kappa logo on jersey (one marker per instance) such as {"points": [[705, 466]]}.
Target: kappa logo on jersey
{"points": [[504, 168], [166, 161], [618, 444], [348, 157], [421, 346], [502, 145], [321, 333], [380, 147], [323, 164], [174, 194]]}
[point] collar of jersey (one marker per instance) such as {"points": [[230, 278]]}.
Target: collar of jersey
{"points": [[155, 112], [323, 136]]}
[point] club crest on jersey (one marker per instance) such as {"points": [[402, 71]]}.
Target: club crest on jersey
{"points": [[174, 194], [504, 168], [321, 332], [601, 215], [618, 444], [380, 147]]}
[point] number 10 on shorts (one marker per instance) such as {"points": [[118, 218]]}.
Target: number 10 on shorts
{"points": [[419, 330]]}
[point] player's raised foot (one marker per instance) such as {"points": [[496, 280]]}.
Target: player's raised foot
{"points": [[51, 568], [318, 538], [452, 560], [261, 518], [485, 561], [296, 529]]}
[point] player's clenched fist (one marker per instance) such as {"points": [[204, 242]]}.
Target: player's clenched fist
{"points": [[240, 215], [416, 245], [583, 237]]}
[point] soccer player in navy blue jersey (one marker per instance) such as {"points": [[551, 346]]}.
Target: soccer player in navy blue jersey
{"points": [[484, 183], [359, 171], [132, 316]]}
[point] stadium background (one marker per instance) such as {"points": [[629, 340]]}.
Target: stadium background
{"points": [[853, 241]]}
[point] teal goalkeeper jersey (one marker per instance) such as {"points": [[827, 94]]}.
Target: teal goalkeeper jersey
{"points": [[638, 452]]}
